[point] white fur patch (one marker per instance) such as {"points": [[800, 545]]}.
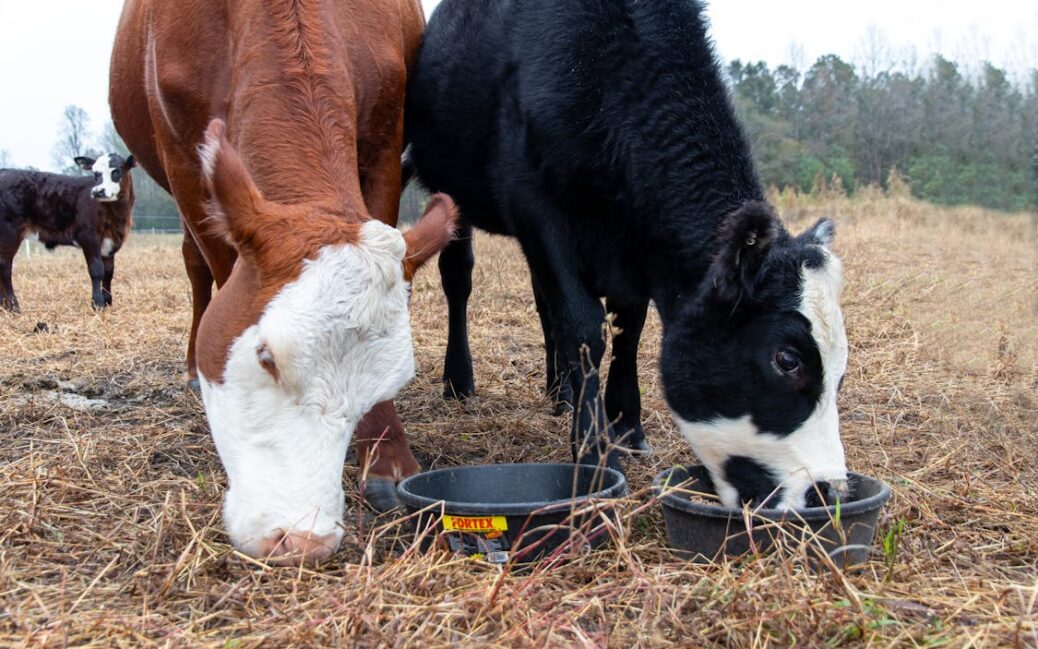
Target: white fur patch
{"points": [[812, 453], [107, 247], [111, 187], [820, 304], [207, 152], [340, 339]]}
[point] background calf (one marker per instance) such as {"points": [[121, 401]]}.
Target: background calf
{"points": [[93, 214]]}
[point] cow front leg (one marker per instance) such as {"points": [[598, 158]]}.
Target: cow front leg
{"points": [[557, 387], [96, 269], [201, 279], [456, 263], [106, 282], [383, 456], [577, 318], [8, 301], [579, 336], [623, 400]]}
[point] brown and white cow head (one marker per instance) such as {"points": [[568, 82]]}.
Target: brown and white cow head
{"points": [[307, 335], [111, 175]]}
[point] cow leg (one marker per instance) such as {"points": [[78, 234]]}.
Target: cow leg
{"points": [[106, 282], [623, 401], [576, 317], [456, 262], [383, 456], [201, 293], [8, 301], [557, 389], [96, 269]]}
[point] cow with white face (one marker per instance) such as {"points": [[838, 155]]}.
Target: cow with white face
{"points": [[752, 366], [310, 331], [277, 125]]}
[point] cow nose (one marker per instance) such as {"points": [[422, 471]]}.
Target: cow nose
{"points": [[838, 489], [98, 193], [826, 493], [296, 547]]}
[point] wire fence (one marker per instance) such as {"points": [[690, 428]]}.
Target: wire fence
{"points": [[157, 224]]}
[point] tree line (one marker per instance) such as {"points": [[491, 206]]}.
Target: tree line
{"points": [[953, 137]]}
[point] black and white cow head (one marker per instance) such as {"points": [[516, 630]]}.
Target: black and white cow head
{"points": [[752, 367], [111, 171]]}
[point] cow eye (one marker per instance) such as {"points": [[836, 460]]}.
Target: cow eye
{"points": [[787, 361], [116, 175]]}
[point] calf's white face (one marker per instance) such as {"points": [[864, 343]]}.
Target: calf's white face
{"points": [[326, 349], [753, 368], [109, 170]]}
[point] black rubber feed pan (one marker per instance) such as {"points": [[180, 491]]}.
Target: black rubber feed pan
{"points": [[511, 512], [703, 531]]}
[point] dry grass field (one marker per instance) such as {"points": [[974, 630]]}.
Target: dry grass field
{"points": [[110, 485]]}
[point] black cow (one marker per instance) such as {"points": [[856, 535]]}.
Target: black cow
{"points": [[91, 213], [600, 134]]}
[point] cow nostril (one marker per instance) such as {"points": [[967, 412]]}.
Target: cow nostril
{"points": [[295, 547], [838, 489], [825, 493]]}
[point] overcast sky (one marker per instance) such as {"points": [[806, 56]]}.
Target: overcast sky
{"points": [[56, 52]]}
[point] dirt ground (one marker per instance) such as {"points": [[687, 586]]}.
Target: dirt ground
{"points": [[110, 485]]}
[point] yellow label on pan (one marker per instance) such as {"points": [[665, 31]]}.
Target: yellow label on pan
{"points": [[475, 524]]}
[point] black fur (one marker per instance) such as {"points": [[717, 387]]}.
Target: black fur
{"points": [[754, 482], [600, 135]]}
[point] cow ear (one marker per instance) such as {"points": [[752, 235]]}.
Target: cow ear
{"points": [[745, 237], [431, 234], [85, 163], [235, 198], [821, 233], [131, 162]]}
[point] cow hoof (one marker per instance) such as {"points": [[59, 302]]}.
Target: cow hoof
{"points": [[562, 408], [380, 494], [639, 447], [465, 392], [194, 385], [633, 439]]}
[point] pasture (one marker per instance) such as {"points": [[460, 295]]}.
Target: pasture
{"points": [[110, 485]]}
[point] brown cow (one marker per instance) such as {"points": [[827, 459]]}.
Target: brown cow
{"points": [[278, 127], [93, 214]]}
